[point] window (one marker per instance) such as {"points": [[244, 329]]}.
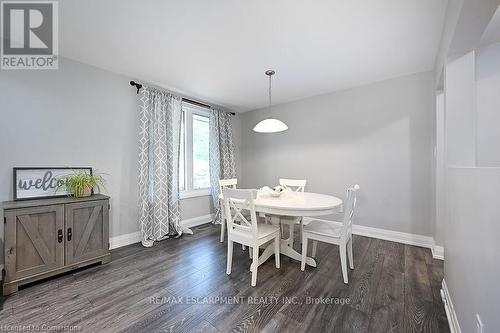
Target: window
{"points": [[194, 173]]}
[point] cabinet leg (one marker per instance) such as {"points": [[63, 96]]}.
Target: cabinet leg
{"points": [[106, 260], [9, 288]]}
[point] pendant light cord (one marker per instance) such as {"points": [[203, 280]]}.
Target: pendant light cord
{"points": [[270, 76], [270, 125]]}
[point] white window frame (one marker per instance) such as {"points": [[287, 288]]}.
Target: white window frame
{"points": [[189, 110]]}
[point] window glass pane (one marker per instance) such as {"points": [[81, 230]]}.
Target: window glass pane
{"points": [[201, 175], [182, 155]]}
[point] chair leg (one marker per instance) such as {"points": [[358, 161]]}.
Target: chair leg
{"points": [[243, 247], [222, 227], [277, 251], [229, 256], [349, 254], [304, 253], [343, 260], [301, 231], [250, 252], [255, 263], [315, 248]]}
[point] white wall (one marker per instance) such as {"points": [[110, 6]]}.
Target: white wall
{"points": [[488, 106], [471, 266], [472, 211], [380, 136], [79, 116], [460, 124], [440, 170]]}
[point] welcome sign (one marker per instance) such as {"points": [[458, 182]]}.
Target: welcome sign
{"points": [[38, 183]]}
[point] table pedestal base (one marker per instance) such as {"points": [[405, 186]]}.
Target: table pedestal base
{"points": [[286, 248]]}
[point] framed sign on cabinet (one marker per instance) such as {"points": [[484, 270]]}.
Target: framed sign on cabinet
{"points": [[40, 183]]}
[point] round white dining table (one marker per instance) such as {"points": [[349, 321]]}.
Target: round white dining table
{"points": [[295, 204]]}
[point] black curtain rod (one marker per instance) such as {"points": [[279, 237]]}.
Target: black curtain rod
{"points": [[139, 86], [190, 101]]}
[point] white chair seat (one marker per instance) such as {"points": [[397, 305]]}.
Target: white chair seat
{"points": [[263, 230], [324, 227]]}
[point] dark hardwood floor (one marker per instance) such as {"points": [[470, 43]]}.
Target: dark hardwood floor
{"points": [[180, 285]]}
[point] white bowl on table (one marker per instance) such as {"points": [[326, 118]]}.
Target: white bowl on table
{"points": [[275, 192]]}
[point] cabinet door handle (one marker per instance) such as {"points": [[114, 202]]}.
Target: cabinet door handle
{"points": [[70, 234], [59, 235]]}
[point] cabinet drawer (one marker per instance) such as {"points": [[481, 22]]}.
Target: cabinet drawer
{"points": [[34, 241]]}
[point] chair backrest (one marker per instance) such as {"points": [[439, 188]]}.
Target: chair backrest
{"points": [[235, 202], [227, 183], [297, 185], [349, 207]]}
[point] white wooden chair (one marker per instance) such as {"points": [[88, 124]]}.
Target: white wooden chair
{"points": [[296, 185], [224, 183], [339, 233], [245, 232]]}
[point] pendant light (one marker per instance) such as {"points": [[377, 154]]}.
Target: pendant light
{"points": [[270, 125]]}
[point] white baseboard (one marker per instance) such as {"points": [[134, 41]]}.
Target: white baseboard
{"points": [[450, 311], [135, 237], [123, 240], [438, 252], [394, 236], [389, 235], [401, 237], [196, 221]]}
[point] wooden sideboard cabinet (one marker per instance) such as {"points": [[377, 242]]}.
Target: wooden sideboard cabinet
{"points": [[51, 236]]}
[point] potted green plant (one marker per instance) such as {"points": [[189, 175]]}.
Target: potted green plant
{"points": [[81, 183]]}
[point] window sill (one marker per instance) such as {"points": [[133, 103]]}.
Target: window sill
{"points": [[203, 192]]}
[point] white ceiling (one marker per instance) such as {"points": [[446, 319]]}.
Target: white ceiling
{"points": [[218, 50]]}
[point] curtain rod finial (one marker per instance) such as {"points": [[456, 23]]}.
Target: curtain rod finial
{"points": [[137, 85]]}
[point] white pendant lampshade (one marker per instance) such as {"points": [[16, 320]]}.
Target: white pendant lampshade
{"points": [[270, 125]]}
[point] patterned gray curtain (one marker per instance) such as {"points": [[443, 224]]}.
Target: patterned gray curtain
{"points": [[221, 154], [159, 141]]}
